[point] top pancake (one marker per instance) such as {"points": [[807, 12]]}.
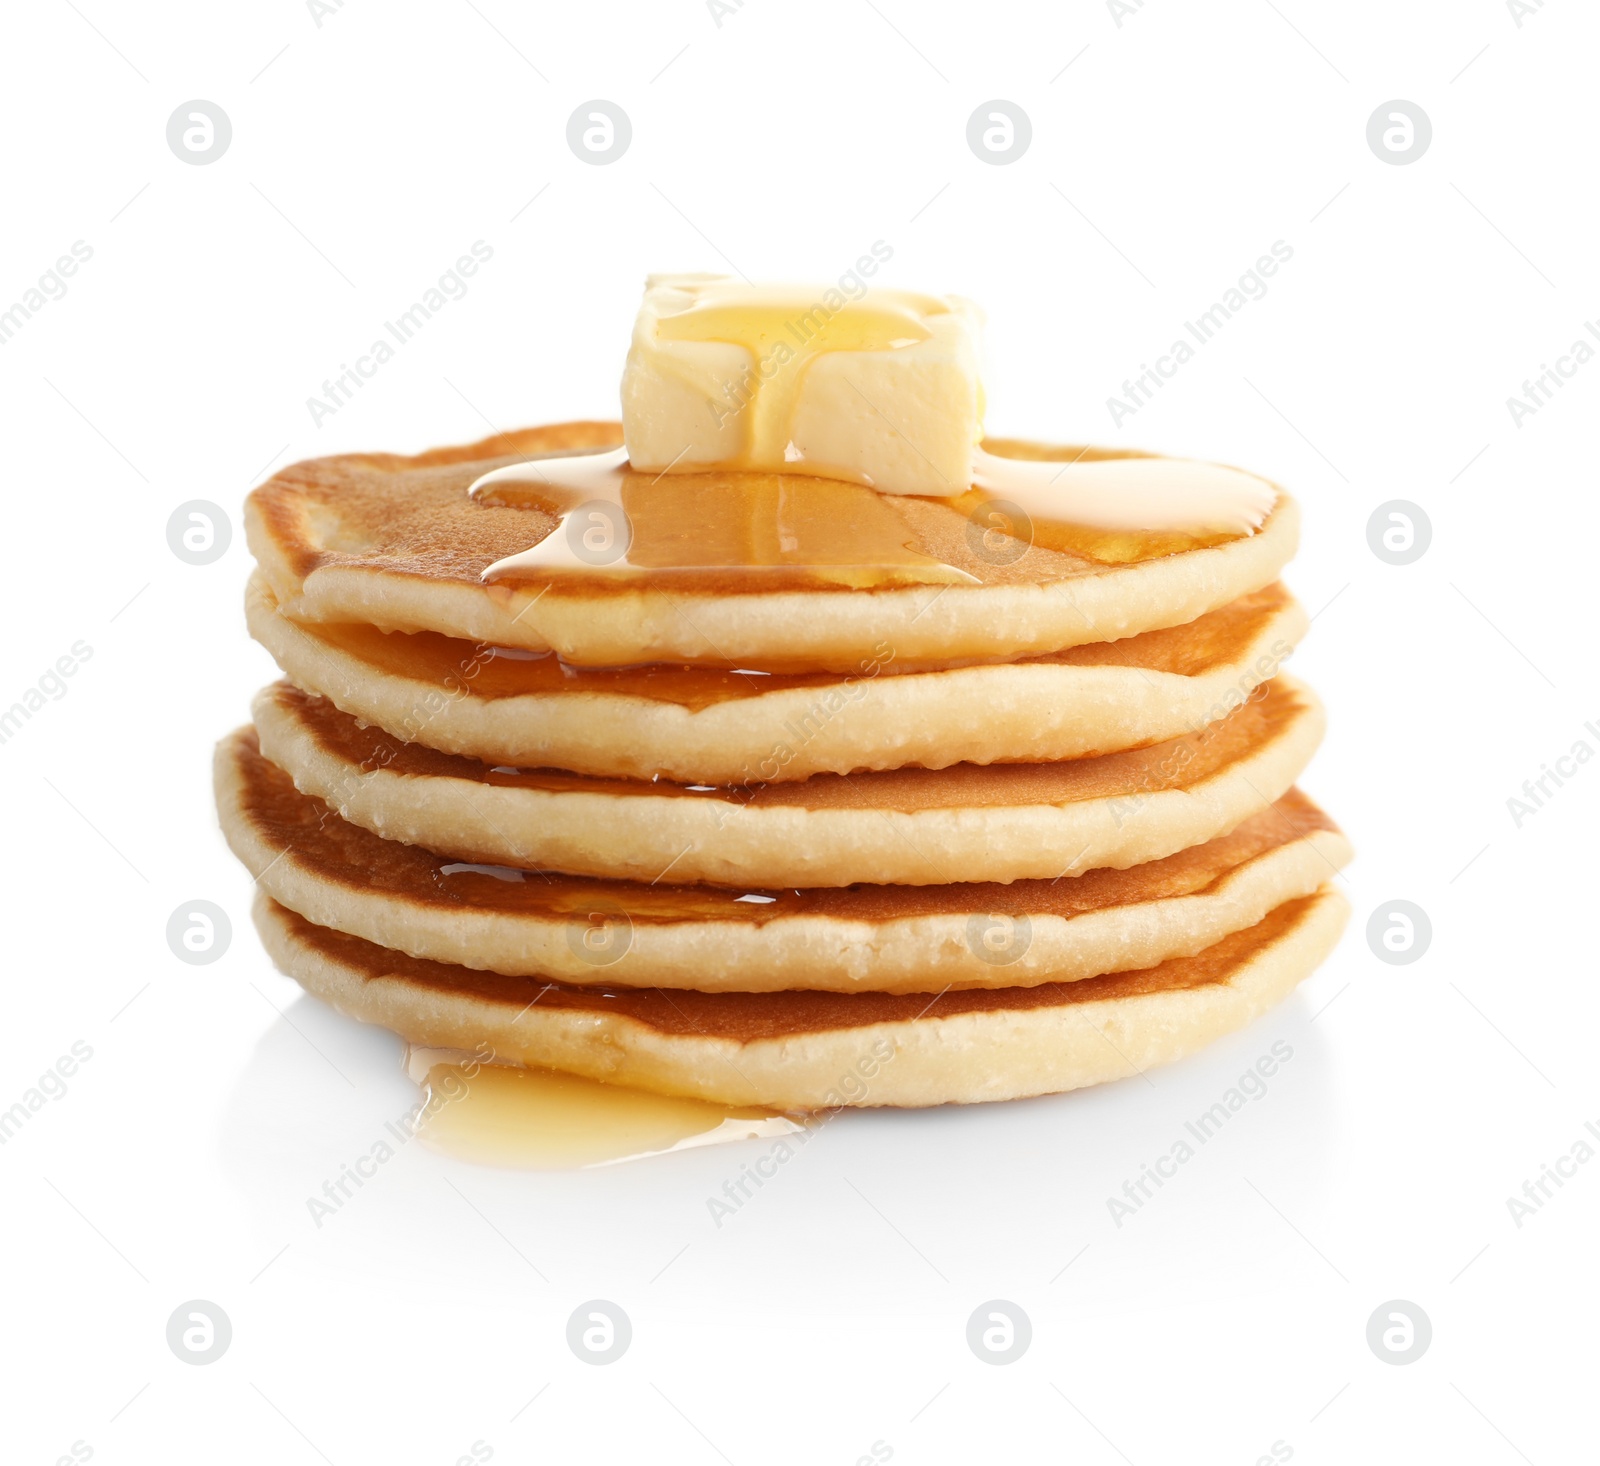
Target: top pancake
{"points": [[396, 543]]}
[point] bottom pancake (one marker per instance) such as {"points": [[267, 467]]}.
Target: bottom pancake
{"points": [[818, 1050]]}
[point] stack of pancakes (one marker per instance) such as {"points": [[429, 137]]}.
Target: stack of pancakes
{"points": [[770, 840]]}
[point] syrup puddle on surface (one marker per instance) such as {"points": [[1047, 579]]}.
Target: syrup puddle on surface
{"points": [[541, 1120], [615, 522]]}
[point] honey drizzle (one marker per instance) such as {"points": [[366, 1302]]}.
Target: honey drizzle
{"points": [[538, 1119], [615, 524], [1116, 509]]}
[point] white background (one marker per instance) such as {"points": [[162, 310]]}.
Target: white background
{"points": [[1168, 153]]}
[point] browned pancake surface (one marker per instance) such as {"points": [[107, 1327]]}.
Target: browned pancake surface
{"points": [[748, 1017], [412, 516], [345, 854], [1177, 763], [1216, 639]]}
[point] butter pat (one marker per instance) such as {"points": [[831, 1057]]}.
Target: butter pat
{"points": [[881, 388]]}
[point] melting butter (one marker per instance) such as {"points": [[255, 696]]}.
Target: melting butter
{"points": [[537, 1119], [784, 330], [871, 385]]}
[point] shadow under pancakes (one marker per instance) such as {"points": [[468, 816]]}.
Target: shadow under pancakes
{"points": [[293, 1122], [1051, 1162], [316, 1092]]}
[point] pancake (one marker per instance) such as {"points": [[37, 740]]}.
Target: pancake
{"points": [[811, 1050], [969, 822], [395, 542], [854, 939], [719, 726]]}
